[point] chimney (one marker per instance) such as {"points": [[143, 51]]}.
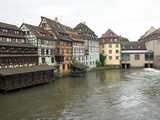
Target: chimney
{"points": [[56, 19]]}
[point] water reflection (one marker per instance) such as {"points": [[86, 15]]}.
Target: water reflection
{"points": [[102, 95]]}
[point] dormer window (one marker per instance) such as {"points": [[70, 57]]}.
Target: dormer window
{"points": [[16, 32], [4, 30], [43, 24], [43, 34], [27, 33]]}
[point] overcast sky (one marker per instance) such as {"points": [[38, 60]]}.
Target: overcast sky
{"points": [[128, 18]]}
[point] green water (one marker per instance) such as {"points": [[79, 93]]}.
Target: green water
{"points": [[102, 95]]}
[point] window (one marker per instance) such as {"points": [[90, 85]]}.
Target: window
{"points": [[110, 45], [67, 58], [47, 52], [16, 32], [117, 45], [125, 57], [43, 60], [42, 52], [137, 57], [51, 52], [149, 56], [117, 57], [42, 42], [110, 57], [63, 66], [27, 32], [83, 58], [1, 39], [43, 25], [52, 59], [117, 51], [110, 51]]}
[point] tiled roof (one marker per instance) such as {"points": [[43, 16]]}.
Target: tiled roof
{"points": [[133, 46], [58, 28], [73, 34], [67, 28], [152, 36], [109, 34], [8, 26], [85, 31], [8, 30], [39, 32], [109, 37], [157, 31], [147, 33], [84, 28], [55, 25]]}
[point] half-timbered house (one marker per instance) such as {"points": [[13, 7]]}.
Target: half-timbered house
{"points": [[91, 44], [63, 52], [42, 39], [14, 49]]}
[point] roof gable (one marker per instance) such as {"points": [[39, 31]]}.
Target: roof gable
{"points": [[109, 34], [39, 32], [55, 25], [81, 27], [85, 31], [148, 32]]}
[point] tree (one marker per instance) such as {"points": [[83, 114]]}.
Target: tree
{"points": [[102, 59], [124, 40], [74, 61]]}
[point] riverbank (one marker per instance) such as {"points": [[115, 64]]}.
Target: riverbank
{"points": [[99, 68], [66, 74], [103, 68]]}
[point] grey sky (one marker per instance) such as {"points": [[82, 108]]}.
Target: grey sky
{"points": [[129, 18]]}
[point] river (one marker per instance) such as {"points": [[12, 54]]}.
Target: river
{"points": [[104, 95]]}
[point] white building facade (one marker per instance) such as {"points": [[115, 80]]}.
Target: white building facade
{"points": [[43, 40], [91, 56], [78, 51]]}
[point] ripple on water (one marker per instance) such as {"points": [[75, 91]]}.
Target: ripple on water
{"points": [[107, 95]]}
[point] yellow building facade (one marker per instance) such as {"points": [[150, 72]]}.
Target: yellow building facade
{"points": [[111, 48], [112, 51]]}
